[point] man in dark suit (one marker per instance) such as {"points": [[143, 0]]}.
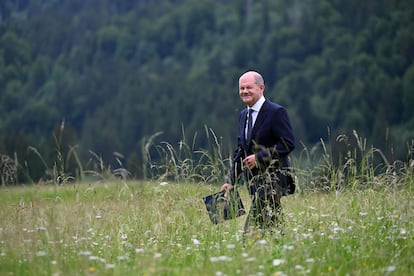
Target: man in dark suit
{"points": [[265, 140]]}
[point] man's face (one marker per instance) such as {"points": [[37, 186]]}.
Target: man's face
{"points": [[249, 91]]}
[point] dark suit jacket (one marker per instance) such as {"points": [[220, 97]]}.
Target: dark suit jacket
{"points": [[272, 141]]}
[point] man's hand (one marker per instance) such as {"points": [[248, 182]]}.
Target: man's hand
{"points": [[226, 187], [250, 161]]}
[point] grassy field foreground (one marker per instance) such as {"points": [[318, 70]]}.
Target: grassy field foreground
{"points": [[135, 228]]}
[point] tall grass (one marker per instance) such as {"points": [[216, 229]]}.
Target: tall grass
{"points": [[348, 218], [144, 228], [356, 167], [8, 170], [185, 162]]}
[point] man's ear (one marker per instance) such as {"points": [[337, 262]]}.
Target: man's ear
{"points": [[262, 87]]}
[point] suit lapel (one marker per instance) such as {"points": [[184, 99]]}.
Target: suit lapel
{"points": [[242, 128], [260, 118]]}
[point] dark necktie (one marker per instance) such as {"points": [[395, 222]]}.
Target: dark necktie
{"points": [[249, 126]]}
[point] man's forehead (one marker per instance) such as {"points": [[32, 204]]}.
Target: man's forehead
{"points": [[246, 80]]}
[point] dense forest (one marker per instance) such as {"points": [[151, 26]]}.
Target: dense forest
{"points": [[104, 76]]}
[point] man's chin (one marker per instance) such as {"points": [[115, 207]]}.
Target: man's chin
{"points": [[247, 101]]}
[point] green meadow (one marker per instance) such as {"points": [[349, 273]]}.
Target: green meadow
{"points": [[158, 228], [354, 217]]}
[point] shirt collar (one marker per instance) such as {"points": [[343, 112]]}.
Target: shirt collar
{"points": [[258, 105]]}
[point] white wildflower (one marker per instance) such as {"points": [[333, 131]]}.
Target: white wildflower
{"points": [[337, 229], [85, 253], [391, 268], [310, 260], [195, 241], [40, 253], [220, 259], [122, 258], [277, 262]]}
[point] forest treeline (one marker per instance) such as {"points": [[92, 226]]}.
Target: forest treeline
{"points": [[103, 76]]}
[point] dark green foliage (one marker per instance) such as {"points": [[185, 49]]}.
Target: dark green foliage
{"points": [[119, 71]]}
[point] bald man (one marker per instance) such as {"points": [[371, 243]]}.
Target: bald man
{"points": [[265, 139]]}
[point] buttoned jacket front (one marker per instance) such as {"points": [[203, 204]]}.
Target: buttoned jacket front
{"points": [[272, 140]]}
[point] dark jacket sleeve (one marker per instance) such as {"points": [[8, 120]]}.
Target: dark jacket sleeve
{"points": [[283, 140], [236, 168]]}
